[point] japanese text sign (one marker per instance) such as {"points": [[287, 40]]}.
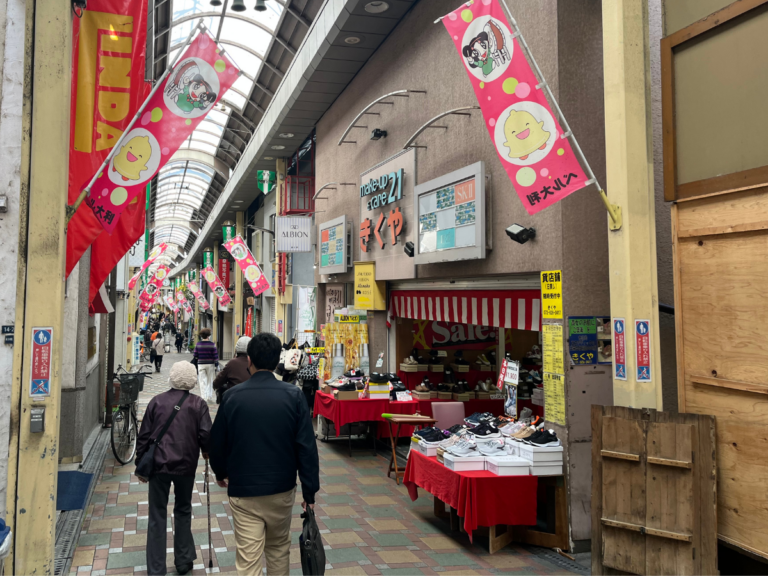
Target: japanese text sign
{"points": [[156, 251], [619, 349], [40, 373], [526, 133], [552, 295], [195, 289], [582, 339], [194, 86], [216, 286], [643, 350], [251, 269], [369, 294]]}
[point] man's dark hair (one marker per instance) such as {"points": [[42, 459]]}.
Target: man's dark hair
{"points": [[205, 333], [264, 351]]}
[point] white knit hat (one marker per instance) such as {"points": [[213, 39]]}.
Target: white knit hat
{"points": [[242, 345], [183, 376]]}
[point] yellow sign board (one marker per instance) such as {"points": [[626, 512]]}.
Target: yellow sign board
{"points": [[317, 350], [369, 294], [552, 334], [552, 295], [554, 398], [350, 319]]}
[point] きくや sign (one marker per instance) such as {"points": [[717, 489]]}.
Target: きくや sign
{"points": [[527, 136], [199, 79]]}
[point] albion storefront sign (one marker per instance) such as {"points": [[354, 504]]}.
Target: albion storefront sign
{"points": [[293, 234]]}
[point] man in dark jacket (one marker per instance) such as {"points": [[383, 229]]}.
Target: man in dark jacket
{"points": [[262, 436], [176, 459], [236, 370]]}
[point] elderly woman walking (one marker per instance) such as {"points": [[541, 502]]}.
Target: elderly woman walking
{"points": [[236, 370], [175, 462], [207, 357]]}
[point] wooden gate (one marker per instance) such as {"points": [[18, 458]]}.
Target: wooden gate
{"points": [[653, 492]]}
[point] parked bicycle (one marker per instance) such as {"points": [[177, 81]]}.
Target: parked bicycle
{"points": [[125, 427]]}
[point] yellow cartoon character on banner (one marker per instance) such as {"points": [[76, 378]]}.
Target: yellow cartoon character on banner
{"points": [[132, 159], [524, 134]]}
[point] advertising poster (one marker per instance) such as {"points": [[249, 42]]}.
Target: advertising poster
{"points": [[198, 80], [554, 398], [216, 286], [620, 349], [156, 251], [552, 335], [552, 295], [195, 289], [251, 269], [582, 339], [643, 350], [526, 133]]}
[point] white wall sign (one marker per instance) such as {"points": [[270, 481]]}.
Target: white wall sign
{"points": [[292, 234]]}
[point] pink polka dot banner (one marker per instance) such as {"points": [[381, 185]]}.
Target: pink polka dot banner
{"points": [[195, 289], [216, 286], [525, 131], [251, 269], [156, 251], [171, 303], [197, 82], [149, 295]]}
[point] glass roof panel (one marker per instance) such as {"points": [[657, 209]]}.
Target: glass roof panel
{"points": [[247, 62], [234, 99]]}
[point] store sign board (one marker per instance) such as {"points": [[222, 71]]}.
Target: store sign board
{"points": [[369, 294], [643, 350], [619, 349], [387, 218], [40, 372], [450, 216], [582, 339], [293, 234], [552, 295], [435, 335], [333, 246]]}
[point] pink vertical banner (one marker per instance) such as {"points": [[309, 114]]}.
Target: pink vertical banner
{"points": [[216, 285], [152, 289], [170, 302], [526, 133], [251, 269], [156, 251], [198, 80], [195, 289]]}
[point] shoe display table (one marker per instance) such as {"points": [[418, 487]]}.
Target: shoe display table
{"points": [[479, 498]]}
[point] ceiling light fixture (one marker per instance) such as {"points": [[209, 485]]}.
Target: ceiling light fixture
{"points": [[260, 6], [376, 7], [215, 2], [286, 135], [352, 40], [278, 147], [238, 6]]}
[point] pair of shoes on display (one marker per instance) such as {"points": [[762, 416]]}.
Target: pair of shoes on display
{"points": [[444, 388], [425, 386], [433, 436], [347, 387], [533, 377], [501, 421], [534, 354], [527, 431], [543, 439], [410, 361], [478, 417], [461, 387], [435, 359], [458, 429], [492, 447], [463, 447], [458, 358], [485, 431], [377, 378], [482, 360], [486, 385], [354, 373], [492, 358]]}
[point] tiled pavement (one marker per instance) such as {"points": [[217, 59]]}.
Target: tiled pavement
{"points": [[369, 524]]}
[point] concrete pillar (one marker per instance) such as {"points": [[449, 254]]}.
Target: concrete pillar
{"points": [[629, 158]]}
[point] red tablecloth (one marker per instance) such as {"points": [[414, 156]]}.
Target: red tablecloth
{"points": [[342, 412], [481, 498], [495, 407], [413, 379]]}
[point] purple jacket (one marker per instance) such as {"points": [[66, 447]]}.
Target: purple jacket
{"points": [[179, 450]]}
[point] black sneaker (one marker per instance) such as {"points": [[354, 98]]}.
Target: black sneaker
{"points": [[354, 373], [456, 428], [432, 436], [485, 431], [443, 388], [448, 376], [426, 431], [543, 439], [346, 387], [376, 378]]}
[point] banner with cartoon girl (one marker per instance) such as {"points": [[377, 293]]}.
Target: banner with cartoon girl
{"points": [[218, 288], [527, 136], [198, 80], [251, 270], [170, 302], [152, 289], [195, 289], [156, 251]]}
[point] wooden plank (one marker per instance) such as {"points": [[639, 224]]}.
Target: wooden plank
{"points": [[740, 212], [679, 312], [624, 497], [498, 539], [668, 120], [623, 525], [733, 385], [707, 469], [620, 455], [670, 535], [597, 490], [558, 539], [725, 229], [713, 20], [668, 462], [726, 184]]}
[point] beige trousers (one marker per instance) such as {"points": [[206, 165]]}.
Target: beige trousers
{"points": [[263, 528]]}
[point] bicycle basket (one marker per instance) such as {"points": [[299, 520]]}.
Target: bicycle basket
{"points": [[130, 386]]}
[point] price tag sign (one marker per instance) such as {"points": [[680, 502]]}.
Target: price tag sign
{"points": [[317, 350], [380, 361], [512, 373], [350, 319], [403, 396]]}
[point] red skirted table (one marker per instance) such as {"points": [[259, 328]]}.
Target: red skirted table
{"points": [[480, 497], [342, 412]]}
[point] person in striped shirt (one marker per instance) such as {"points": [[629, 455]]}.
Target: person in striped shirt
{"points": [[207, 356]]}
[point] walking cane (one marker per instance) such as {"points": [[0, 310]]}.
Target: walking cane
{"points": [[207, 490]]}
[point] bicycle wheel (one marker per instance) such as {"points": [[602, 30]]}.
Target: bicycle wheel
{"points": [[124, 435]]}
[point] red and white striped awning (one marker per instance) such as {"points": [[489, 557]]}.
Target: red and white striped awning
{"points": [[520, 309]]}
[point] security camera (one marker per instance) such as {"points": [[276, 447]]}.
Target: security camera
{"points": [[520, 234], [378, 134]]}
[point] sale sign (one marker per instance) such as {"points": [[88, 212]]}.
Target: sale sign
{"points": [[435, 335], [156, 251], [198, 80], [216, 285], [619, 349], [251, 270], [643, 350], [195, 289], [528, 138]]}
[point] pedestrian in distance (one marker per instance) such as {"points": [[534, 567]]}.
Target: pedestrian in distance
{"points": [[175, 462], [158, 347], [179, 341], [207, 357], [261, 438], [236, 370]]}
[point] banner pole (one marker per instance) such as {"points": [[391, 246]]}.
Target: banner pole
{"points": [[70, 210], [613, 211]]}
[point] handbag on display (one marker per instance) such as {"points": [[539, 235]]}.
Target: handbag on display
{"points": [[311, 546], [145, 467], [293, 359]]}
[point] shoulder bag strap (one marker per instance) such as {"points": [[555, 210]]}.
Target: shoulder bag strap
{"points": [[176, 410]]}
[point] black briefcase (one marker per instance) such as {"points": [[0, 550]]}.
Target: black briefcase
{"points": [[311, 546]]}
